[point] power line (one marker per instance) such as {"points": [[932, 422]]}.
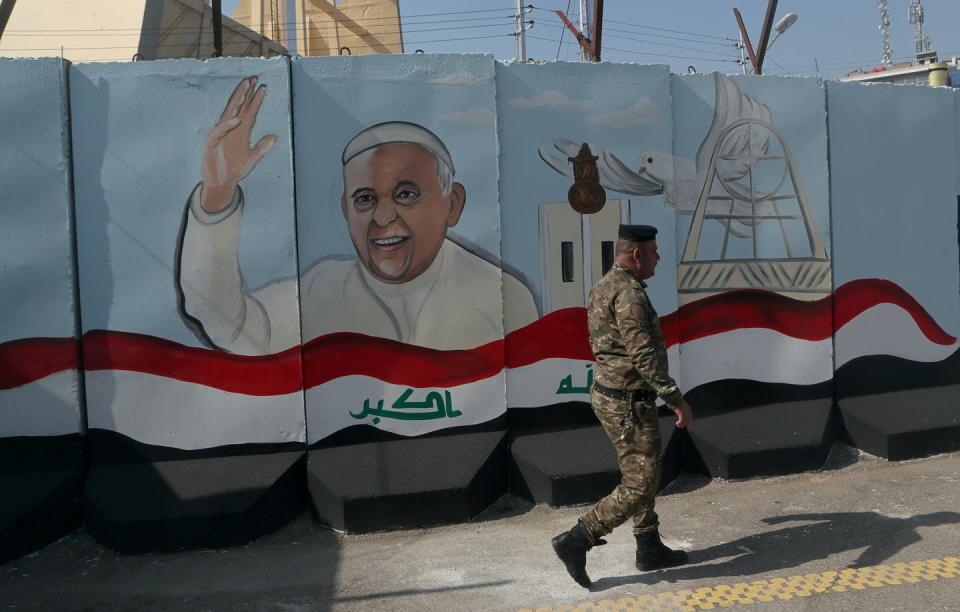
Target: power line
{"points": [[645, 27], [190, 44], [138, 31], [657, 42], [692, 40], [645, 35], [637, 25], [660, 43], [635, 52]]}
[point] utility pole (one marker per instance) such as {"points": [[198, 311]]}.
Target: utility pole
{"points": [[743, 59], [765, 33], [589, 47], [597, 28], [521, 33], [757, 58], [217, 28], [584, 24]]}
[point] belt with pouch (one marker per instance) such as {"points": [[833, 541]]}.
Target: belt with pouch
{"points": [[638, 395]]}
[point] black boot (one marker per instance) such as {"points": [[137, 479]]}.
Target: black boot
{"points": [[653, 554], [572, 546]]}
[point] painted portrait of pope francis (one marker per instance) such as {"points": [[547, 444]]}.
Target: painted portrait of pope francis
{"points": [[409, 281]]}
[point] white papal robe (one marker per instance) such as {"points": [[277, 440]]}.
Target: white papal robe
{"points": [[460, 301]]}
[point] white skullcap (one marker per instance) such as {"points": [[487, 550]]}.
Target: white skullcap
{"points": [[397, 132]]}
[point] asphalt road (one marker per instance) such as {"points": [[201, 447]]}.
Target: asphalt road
{"points": [[863, 534]]}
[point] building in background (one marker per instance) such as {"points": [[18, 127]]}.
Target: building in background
{"points": [[117, 30], [928, 70], [327, 27]]}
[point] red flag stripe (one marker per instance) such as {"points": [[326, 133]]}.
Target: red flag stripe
{"points": [[561, 334]]}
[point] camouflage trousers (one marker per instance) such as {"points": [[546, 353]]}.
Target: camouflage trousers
{"points": [[636, 438]]}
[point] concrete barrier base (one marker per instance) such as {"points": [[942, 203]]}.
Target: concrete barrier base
{"points": [[764, 440], [903, 424], [405, 483], [193, 503], [37, 509], [577, 465], [40, 486]]}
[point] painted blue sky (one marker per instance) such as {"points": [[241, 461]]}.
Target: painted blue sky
{"points": [[841, 36]]}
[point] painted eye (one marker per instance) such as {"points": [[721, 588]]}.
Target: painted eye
{"points": [[363, 201], [649, 160], [407, 196]]}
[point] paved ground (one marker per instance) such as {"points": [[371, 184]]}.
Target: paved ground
{"points": [[862, 535]]}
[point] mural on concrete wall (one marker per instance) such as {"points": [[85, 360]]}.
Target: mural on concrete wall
{"points": [[750, 177], [398, 229], [438, 272], [894, 208], [546, 114], [39, 386], [147, 138]]}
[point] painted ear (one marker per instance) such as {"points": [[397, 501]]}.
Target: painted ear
{"points": [[458, 198], [343, 204]]}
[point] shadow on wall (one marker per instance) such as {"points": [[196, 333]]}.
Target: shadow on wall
{"points": [[141, 497], [818, 537]]}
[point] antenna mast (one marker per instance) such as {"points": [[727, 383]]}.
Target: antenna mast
{"points": [[915, 15]]}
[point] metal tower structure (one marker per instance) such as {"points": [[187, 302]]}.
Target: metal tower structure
{"points": [[885, 32], [915, 15]]}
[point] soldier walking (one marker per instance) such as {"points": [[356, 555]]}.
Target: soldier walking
{"points": [[632, 372]]}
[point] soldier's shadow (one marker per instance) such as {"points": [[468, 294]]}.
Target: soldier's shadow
{"points": [[820, 535]]}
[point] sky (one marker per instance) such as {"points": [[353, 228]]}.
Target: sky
{"points": [[837, 35]]}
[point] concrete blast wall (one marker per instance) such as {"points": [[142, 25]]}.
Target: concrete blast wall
{"points": [[356, 283]]}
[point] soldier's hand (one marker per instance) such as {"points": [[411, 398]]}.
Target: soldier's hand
{"points": [[227, 154], [684, 414]]}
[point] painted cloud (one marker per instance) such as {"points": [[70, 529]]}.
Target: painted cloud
{"points": [[644, 111], [473, 116], [551, 99]]}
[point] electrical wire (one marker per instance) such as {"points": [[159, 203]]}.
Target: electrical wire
{"points": [[708, 59], [226, 43], [190, 29], [668, 37], [607, 20], [403, 18], [655, 42], [658, 43], [645, 27]]}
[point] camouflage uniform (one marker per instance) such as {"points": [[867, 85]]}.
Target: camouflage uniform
{"points": [[627, 342]]}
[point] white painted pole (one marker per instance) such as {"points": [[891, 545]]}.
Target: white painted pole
{"points": [[584, 28]]}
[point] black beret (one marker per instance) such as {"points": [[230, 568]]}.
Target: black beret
{"points": [[637, 233]]}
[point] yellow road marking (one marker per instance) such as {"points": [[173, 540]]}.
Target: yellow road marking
{"points": [[728, 595]]}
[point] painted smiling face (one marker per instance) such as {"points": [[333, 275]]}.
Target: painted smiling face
{"points": [[396, 211]]}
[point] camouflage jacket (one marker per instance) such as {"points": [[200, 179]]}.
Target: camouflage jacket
{"points": [[625, 336]]}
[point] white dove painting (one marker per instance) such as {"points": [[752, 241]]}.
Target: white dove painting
{"points": [[743, 176]]}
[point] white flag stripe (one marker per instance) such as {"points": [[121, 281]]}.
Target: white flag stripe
{"points": [[755, 354], [887, 330], [541, 384], [176, 414], [49, 406], [330, 405], [538, 384]]}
